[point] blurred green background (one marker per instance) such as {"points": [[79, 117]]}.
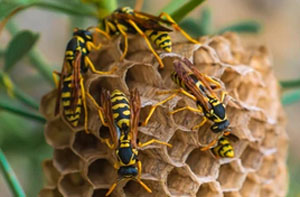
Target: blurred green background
{"points": [[22, 139]]}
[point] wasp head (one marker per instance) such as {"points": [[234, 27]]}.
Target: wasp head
{"points": [[86, 35]]}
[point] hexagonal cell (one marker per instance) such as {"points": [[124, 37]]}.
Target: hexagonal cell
{"points": [[210, 189], [66, 161], [181, 148], [180, 183], [230, 178], [99, 192], [232, 194], [88, 145], [50, 192], [202, 163], [48, 103], [250, 188], [204, 56], [222, 47], [58, 134], [50, 172], [268, 168], [251, 158], [270, 139], [73, 184], [105, 56], [133, 188], [257, 129], [267, 192], [101, 173]]}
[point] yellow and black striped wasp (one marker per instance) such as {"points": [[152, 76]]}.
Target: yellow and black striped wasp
{"points": [[122, 116], [126, 20], [200, 88], [71, 92], [223, 148]]}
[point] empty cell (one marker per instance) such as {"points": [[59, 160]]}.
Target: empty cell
{"points": [[269, 168], [65, 160], [229, 178], [202, 163], [181, 148], [87, 145], [209, 189], [99, 192], [250, 188], [204, 56], [73, 184], [133, 188], [270, 139], [251, 158], [48, 104], [101, 173], [58, 134], [180, 183], [222, 47], [51, 174], [50, 192], [104, 132], [257, 129]]}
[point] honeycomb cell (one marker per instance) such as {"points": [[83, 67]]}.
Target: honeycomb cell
{"points": [[180, 147], [202, 163], [251, 158], [222, 47], [58, 134], [250, 188], [88, 145], [50, 192], [232, 194], [73, 184], [66, 161], [269, 168], [230, 178], [204, 56], [180, 183], [257, 129], [50, 173], [270, 139], [48, 104], [101, 173], [211, 189], [267, 192], [133, 188], [99, 192]]}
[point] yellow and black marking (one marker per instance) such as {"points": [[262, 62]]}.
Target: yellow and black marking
{"points": [[121, 110], [72, 114], [161, 39], [223, 149]]}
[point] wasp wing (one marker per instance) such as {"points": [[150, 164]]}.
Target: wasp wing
{"points": [[144, 23], [135, 109], [183, 72], [155, 18], [107, 110], [76, 88]]}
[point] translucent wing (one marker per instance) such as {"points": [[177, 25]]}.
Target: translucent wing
{"points": [[155, 18], [135, 108], [107, 110], [76, 89]]}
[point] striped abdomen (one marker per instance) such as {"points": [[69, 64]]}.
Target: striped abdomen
{"points": [[120, 109], [161, 39], [72, 114], [224, 148]]}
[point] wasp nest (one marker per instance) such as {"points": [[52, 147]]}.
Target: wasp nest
{"points": [[83, 166]]}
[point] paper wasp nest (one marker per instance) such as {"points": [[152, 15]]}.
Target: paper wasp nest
{"points": [[83, 166]]}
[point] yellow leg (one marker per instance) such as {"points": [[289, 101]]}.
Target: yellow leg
{"points": [[180, 90], [100, 110], [91, 65], [101, 32], [111, 189], [141, 145], [176, 26], [106, 141], [91, 46], [124, 34], [211, 80], [84, 106], [153, 108], [186, 108], [223, 95], [147, 42], [200, 124], [144, 185], [209, 146], [54, 75], [139, 166]]}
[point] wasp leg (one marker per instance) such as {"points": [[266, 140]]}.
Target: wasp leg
{"points": [[180, 90], [209, 146], [144, 185], [124, 34], [91, 65], [106, 141], [139, 166], [91, 46], [147, 42], [101, 32], [111, 189], [176, 26], [84, 106], [186, 108], [223, 95], [100, 110], [200, 124], [54, 76], [141, 145], [214, 82], [153, 108]]}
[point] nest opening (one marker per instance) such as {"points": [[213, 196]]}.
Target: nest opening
{"points": [[251, 158], [74, 185], [65, 160], [101, 172], [99, 192], [229, 178], [208, 189], [51, 173]]}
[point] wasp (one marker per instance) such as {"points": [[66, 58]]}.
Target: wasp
{"points": [[121, 116], [200, 88], [125, 21], [224, 148], [71, 92]]}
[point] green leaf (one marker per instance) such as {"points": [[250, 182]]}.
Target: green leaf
{"points": [[191, 26], [7, 7], [18, 47], [290, 97], [290, 84], [181, 12], [205, 22], [249, 26], [172, 6]]}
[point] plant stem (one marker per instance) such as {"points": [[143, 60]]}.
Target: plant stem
{"points": [[35, 57], [28, 114], [290, 84], [10, 176], [106, 7], [180, 13], [290, 97]]}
